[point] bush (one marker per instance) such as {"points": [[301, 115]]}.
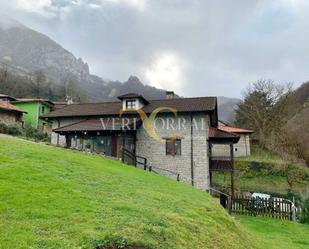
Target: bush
{"points": [[251, 168], [304, 217], [28, 132], [3, 128], [14, 130], [33, 133], [10, 129]]}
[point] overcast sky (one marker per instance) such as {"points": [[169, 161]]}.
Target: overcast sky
{"points": [[194, 47]]}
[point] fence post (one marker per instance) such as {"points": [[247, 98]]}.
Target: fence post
{"points": [[135, 161], [122, 155], [229, 204], [178, 176], [145, 164], [293, 210], [150, 168]]}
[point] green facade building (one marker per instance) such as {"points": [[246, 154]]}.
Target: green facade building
{"points": [[34, 109]]}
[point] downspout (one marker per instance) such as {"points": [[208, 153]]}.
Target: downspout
{"points": [[38, 116], [209, 147], [58, 133], [209, 152], [246, 145], [192, 163]]}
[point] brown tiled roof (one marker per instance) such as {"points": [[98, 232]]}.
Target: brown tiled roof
{"points": [[9, 107], [59, 105], [132, 96], [216, 134], [44, 101], [202, 104], [233, 129], [6, 96], [102, 124]]}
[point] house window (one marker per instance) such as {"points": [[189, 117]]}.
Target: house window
{"points": [[131, 104], [43, 109], [173, 147]]}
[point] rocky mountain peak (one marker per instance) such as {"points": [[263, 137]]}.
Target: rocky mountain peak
{"points": [[134, 80]]}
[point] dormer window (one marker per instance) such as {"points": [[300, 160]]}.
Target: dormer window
{"points": [[131, 104], [133, 101]]}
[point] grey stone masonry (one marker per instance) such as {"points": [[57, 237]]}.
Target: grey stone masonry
{"points": [[194, 147], [10, 118], [192, 164], [57, 139]]}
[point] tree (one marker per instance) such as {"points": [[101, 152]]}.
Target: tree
{"points": [[263, 109], [39, 83]]}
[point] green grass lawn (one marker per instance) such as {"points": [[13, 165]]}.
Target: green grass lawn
{"points": [[264, 183], [53, 198], [276, 234]]}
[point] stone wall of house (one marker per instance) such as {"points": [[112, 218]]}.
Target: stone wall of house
{"points": [[242, 148], [57, 139], [155, 150], [10, 118]]}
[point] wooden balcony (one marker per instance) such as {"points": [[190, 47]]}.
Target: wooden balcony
{"points": [[222, 164]]}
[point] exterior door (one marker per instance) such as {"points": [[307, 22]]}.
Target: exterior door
{"points": [[114, 146]]}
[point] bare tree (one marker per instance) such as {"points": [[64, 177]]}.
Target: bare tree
{"points": [[263, 109]]}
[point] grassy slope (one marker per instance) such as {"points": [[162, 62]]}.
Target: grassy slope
{"points": [[263, 183], [273, 233], [51, 198]]}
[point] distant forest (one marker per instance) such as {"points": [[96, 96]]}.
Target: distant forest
{"points": [[279, 117], [36, 85]]}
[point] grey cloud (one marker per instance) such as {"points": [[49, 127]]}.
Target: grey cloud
{"points": [[225, 44]]}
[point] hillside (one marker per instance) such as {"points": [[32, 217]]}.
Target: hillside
{"points": [[297, 126], [25, 52], [266, 172], [53, 198]]}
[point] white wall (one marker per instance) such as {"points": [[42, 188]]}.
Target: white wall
{"points": [[242, 148], [57, 139]]}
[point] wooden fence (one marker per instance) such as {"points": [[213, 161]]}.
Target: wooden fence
{"points": [[273, 207]]}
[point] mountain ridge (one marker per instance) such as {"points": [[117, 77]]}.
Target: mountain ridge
{"points": [[26, 51]]}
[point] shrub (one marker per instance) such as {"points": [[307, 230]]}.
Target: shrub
{"points": [[243, 168], [88, 145], [304, 217], [28, 132], [14, 130], [10, 129], [251, 168], [33, 133], [3, 128]]}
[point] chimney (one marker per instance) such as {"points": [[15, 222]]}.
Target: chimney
{"points": [[69, 100], [169, 95]]}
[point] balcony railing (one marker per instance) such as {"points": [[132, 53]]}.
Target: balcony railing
{"points": [[223, 164]]}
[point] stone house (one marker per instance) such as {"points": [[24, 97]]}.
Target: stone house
{"points": [[175, 135], [6, 98], [10, 115]]}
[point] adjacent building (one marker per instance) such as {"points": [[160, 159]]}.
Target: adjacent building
{"points": [[174, 135], [10, 115], [241, 148], [6, 98], [34, 109]]}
